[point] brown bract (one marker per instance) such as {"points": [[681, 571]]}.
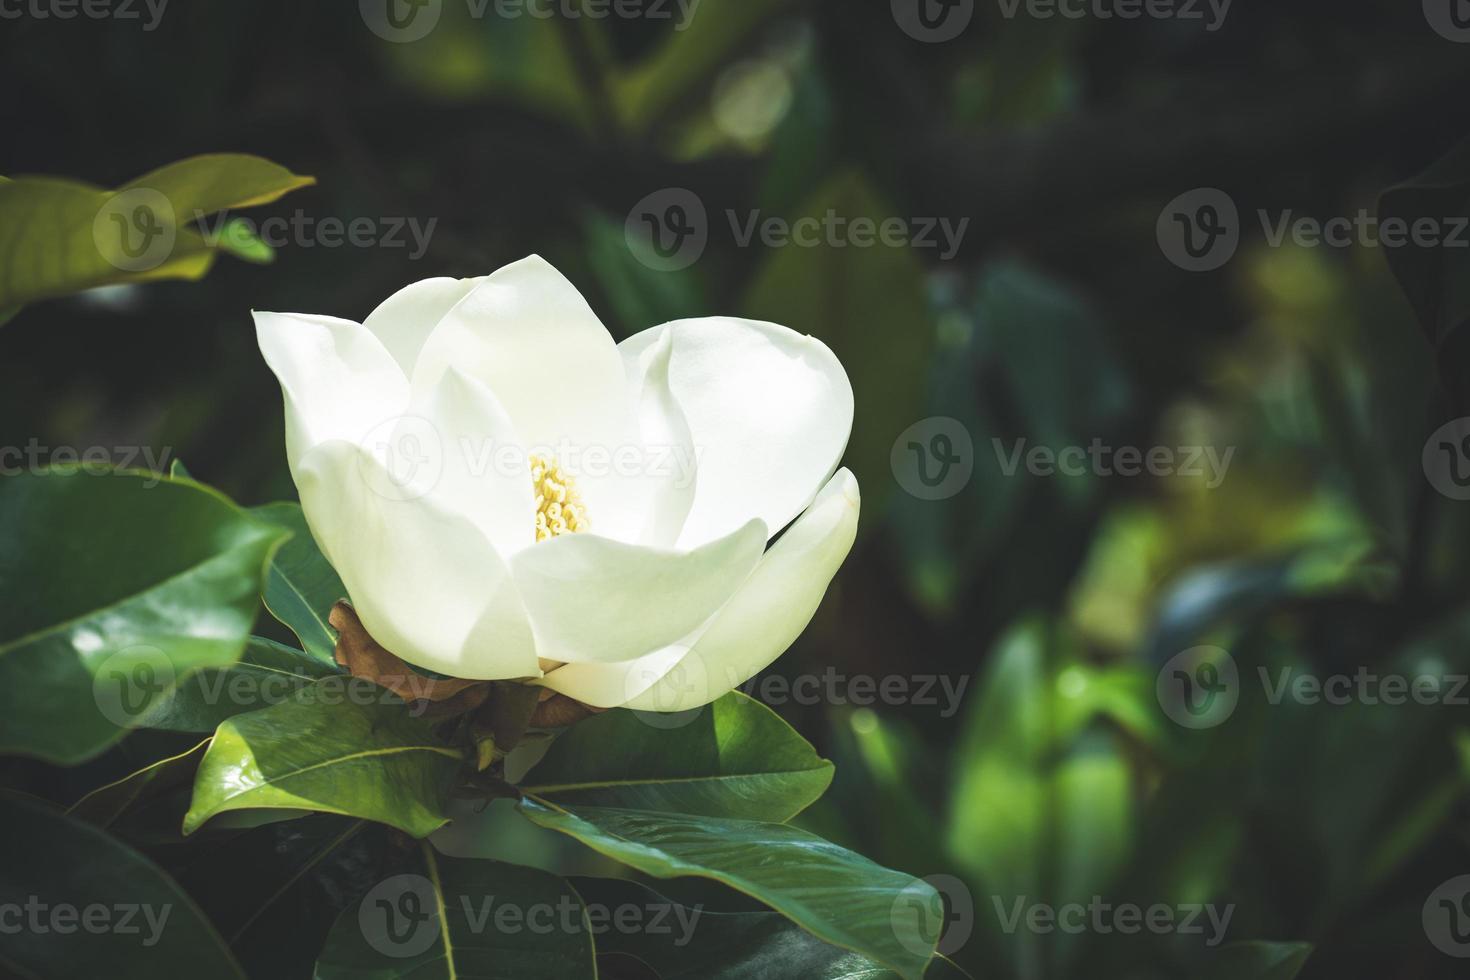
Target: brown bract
{"points": [[365, 657]]}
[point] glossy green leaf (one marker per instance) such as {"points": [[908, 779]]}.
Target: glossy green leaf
{"points": [[267, 673], [60, 236], [103, 909], [692, 943], [105, 804], [838, 896], [302, 586], [736, 759], [337, 748], [118, 586], [447, 918]]}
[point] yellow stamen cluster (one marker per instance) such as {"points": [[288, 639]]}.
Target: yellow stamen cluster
{"points": [[559, 510]]}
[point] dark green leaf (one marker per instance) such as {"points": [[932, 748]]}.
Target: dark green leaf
{"points": [[118, 586], [267, 673], [1256, 961], [105, 804], [696, 944], [451, 918], [103, 909], [736, 759], [838, 896], [1435, 277], [302, 587]]}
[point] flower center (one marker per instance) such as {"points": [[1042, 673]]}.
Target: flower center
{"points": [[559, 509]]}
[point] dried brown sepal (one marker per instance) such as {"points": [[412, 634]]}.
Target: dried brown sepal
{"points": [[367, 658], [559, 711]]}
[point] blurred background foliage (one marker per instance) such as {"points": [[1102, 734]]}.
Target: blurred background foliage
{"points": [[1055, 599]]}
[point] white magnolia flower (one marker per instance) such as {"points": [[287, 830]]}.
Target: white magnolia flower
{"points": [[449, 450]]}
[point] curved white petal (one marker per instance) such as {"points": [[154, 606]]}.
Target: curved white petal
{"points": [[338, 379], [592, 599], [403, 321], [426, 583], [614, 685], [484, 475], [769, 411], [763, 619], [529, 336], [667, 464]]}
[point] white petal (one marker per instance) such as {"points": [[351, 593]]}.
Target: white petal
{"points": [[484, 474], [769, 411], [425, 582], [614, 685], [404, 320], [668, 464], [768, 613], [338, 379], [529, 336], [592, 599]]}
